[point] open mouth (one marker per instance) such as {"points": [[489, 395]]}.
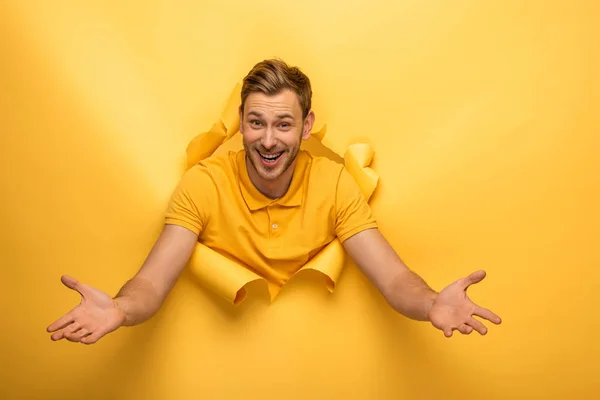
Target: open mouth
{"points": [[270, 158]]}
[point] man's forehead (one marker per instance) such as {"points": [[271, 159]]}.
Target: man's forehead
{"points": [[283, 101]]}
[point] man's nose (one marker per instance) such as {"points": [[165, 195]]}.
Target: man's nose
{"points": [[269, 140]]}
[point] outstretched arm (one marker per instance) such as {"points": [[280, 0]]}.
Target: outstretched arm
{"points": [[141, 297], [449, 310], [98, 314]]}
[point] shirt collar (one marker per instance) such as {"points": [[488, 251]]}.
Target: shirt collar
{"points": [[256, 200]]}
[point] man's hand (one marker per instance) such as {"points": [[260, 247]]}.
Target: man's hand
{"points": [[409, 294], [139, 298], [453, 310], [94, 317]]}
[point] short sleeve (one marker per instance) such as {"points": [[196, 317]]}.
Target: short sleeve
{"points": [[353, 213], [192, 199]]}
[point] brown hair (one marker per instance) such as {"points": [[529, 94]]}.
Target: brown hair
{"points": [[272, 76]]}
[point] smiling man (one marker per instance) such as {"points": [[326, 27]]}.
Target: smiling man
{"points": [[271, 207]]}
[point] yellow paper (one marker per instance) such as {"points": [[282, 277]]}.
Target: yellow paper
{"points": [[329, 262], [230, 117], [204, 144], [220, 274], [321, 133], [358, 157]]}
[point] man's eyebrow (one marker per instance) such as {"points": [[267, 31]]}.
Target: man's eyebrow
{"points": [[256, 113], [285, 115]]}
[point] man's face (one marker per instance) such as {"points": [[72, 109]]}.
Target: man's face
{"points": [[272, 128]]}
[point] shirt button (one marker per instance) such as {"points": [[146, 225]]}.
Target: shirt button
{"points": [[274, 226]]}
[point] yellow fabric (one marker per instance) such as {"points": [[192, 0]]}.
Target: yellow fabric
{"points": [[273, 239]]}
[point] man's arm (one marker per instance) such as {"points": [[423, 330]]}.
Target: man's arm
{"points": [[404, 290], [449, 310], [139, 299]]}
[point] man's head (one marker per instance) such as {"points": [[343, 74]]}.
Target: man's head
{"points": [[275, 116]]}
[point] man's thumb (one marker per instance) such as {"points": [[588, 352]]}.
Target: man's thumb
{"points": [[475, 277], [71, 282]]}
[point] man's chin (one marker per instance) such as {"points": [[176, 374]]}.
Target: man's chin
{"points": [[269, 174], [264, 171]]}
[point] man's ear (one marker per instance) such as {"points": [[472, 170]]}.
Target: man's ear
{"points": [[308, 125]]}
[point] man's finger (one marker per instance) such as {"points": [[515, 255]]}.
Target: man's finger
{"points": [[77, 336], [61, 322], [92, 338], [70, 338], [475, 277], [65, 331], [58, 335], [478, 326], [465, 329], [72, 283], [487, 314], [448, 332]]}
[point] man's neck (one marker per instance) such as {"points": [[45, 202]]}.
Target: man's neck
{"points": [[273, 189]]}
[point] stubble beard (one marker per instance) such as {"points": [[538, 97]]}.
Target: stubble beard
{"points": [[271, 173]]}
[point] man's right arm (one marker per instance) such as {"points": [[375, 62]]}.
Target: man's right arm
{"points": [[138, 300], [141, 297]]}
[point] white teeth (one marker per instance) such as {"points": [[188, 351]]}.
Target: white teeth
{"points": [[270, 157]]}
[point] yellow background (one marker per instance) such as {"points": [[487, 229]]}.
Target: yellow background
{"points": [[484, 118]]}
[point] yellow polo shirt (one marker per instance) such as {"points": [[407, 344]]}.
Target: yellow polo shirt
{"points": [[272, 237]]}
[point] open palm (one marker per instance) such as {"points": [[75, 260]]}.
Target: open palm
{"points": [[93, 318], [453, 310]]}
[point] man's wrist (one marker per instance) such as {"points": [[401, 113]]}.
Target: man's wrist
{"points": [[121, 307], [431, 298]]}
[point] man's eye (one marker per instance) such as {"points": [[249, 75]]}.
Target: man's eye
{"points": [[285, 125], [255, 122]]}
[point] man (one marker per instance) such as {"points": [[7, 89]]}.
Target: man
{"points": [[271, 207]]}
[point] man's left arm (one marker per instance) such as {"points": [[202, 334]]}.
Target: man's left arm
{"points": [[449, 310]]}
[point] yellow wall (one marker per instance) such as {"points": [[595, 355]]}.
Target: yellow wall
{"points": [[484, 117]]}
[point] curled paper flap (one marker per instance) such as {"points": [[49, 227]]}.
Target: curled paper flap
{"points": [[220, 274], [204, 144], [329, 262], [228, 278], [231, 113], [321, 133], [357, 159]]}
